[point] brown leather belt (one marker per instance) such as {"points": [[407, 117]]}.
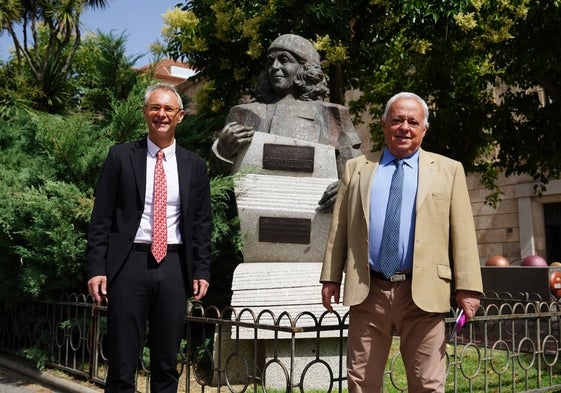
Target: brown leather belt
{"points": [[397, 277]]}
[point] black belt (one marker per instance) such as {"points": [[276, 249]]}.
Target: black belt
{"points": [[397, 277], [145, 247]]}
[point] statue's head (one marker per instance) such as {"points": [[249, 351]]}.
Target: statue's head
{"points": [[293, 67], [298, 46]]}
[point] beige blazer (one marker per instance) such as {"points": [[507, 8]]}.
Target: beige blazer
{"points": [[445, 253]]}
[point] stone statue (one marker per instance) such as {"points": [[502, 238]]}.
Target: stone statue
{"points": [[290, 148], [289, 102]]}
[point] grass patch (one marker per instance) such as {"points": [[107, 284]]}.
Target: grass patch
{"points": [[475, 368]]}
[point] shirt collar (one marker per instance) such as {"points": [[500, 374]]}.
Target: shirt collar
{"points": [[153, 149], [388, 158]]}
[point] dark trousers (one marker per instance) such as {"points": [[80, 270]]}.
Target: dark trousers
{"points": [[146, 293]]}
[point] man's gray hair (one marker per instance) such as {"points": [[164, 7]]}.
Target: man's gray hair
{"points": [[162, 86], [407, 95]]}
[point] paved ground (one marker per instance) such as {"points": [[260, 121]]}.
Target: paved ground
{"points": [[17, 377], [11, 382]]}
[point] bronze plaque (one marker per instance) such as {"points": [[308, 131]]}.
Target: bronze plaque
{"points": [[284, 230], [288, 158]]}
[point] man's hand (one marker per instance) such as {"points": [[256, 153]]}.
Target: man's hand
{"points": [[328, 291], [232, 138], [325, 204], [200, 288], [468, 301], [97, 287]]}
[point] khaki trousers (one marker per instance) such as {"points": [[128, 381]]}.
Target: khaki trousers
{"points": [[389, 310]]}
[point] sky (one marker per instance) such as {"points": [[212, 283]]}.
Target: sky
{"points": [[140, 20]]}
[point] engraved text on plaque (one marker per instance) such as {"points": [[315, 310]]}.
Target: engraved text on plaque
{"points": [[284, 230], [288, 158]]}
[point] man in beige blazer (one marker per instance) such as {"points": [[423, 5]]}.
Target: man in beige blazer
{"points": [[437, 254]]}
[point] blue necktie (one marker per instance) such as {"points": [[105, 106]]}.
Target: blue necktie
{"points": [[389, 249]]}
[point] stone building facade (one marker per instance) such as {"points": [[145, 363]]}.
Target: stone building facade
{"points": [[521, 224]]}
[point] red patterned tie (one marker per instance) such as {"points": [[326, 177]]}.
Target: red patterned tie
{"points": [[159, 226]]}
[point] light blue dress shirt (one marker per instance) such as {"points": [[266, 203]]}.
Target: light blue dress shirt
{"points": [[379, 193]]}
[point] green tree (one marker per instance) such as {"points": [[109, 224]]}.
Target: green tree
{"points": [[15, 93], [46, 35], [50, 165], [43, 214], [455, 54], [103, 73], [529, 116]]}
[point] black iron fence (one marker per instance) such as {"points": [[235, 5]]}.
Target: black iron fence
{"points": [[511, 346]]}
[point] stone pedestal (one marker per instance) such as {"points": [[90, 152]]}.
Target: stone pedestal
{"points": [[280, 181], [278, 219]]}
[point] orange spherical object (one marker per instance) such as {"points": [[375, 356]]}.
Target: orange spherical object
{"points": [[555, 284], [534, 261], [497, 260]]}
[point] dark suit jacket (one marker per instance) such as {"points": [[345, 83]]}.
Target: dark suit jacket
{"points": [[119, 204]]}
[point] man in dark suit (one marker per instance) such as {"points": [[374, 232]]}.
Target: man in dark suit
{"points": [[143, 285]]}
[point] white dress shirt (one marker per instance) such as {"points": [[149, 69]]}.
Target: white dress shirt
{"points": [[144, 233]]}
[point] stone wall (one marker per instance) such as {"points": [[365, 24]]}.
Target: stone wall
{"points": [[515, 227]]}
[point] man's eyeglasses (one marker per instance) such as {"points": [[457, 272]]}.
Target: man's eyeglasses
{"points": [[170, 110]]}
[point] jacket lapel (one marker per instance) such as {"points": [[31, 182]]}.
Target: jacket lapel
{"points": [[427, 173], [366, 172], [138, 161], [184, 174]]}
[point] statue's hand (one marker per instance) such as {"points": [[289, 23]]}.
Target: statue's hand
{"points": [[325, 204], [232, 138]]}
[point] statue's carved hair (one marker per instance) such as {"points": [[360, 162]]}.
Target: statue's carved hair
{"points": [[309, 85]]}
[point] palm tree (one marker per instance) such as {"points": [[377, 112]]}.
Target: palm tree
{"points": [[46, 35]]}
